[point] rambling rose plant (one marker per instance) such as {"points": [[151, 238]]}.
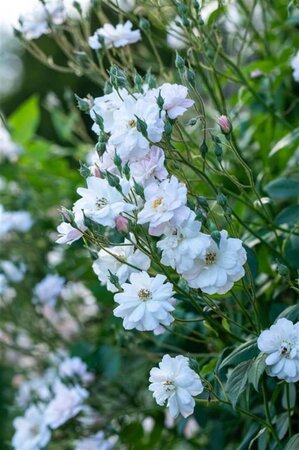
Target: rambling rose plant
{"points": [[187, 212]]}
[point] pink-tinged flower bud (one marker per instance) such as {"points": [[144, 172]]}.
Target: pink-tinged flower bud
{"points": [[257, 73], [122, 224], [225, 125], [96, 172]]}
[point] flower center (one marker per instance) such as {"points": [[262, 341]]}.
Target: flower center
{"points": [[144, 294], [168, 384], [285, 349], [34, 430], [210, 258], [157, 202], [101, 202], [132, 123]]}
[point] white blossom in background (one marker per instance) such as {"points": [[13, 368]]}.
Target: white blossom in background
{"points": [[129, 142], [48, 290], [145, 303], [129, 260], [176, 36], [183, 245], [295, 66], [101, 202], [31, 431], [175, 101], [176, 383], [66, 404], [281, 344], [150, 167], [63, 322], [111, 36], [20, 221], [125, 5], [165, 206], [8, 149], [37, 387], [68, 234], [75, 368], [37, 22], [97, 441], [13, 272], [221, 265]]}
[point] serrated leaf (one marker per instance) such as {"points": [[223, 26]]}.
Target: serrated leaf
{"points": [[287, 140], [237, 381], [293, 443], [256, 370], [283, 188], [242, 353]]}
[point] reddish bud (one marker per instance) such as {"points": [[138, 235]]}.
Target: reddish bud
{"points": [[122, 224], [225, 125]]}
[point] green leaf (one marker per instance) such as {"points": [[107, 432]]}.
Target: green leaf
{"points": [[248, 437], [256, 370], [282, 424], [290, 313], [293, 443], [258, 436], [292, 395], [286, 141], [283, 188], [242, 353], [25, 120], [292, 251], [237, 381], [288, 216]]}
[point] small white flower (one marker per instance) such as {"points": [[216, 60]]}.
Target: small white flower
{"points": [[281, 344], [130, 143], [67, 403], [221, 265], [96, 442], [31, 433], [36, 22], [165, 206], [183, 245], [105, 107], [68, 234], [100, 202], [14, 221], [145, 303], [104, 163], [175, 101], [175, 383], [118, 36], [12, 271], [37, 387], [176, 36], [75, 368], [125, 5], [8, 149], [149, 168], [48, 289], [295, 66], [107, 263]]}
